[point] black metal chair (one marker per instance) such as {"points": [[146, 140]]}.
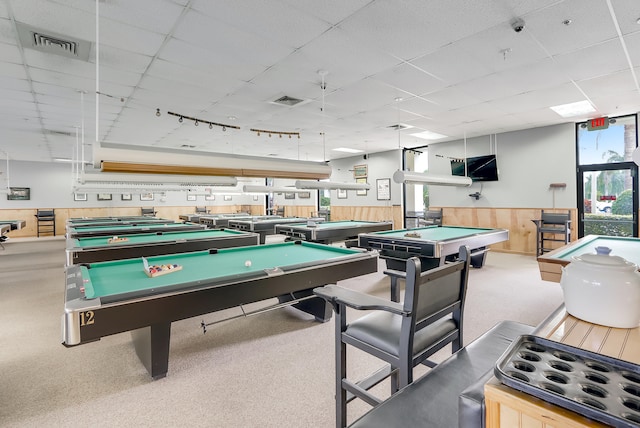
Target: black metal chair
{"points": [[552, 227], [148, 212], [402, 334], [202, 210], [431, 218]]}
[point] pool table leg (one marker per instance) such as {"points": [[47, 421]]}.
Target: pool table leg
{"points": [[152, 347], [478, 257], [317, 306]]}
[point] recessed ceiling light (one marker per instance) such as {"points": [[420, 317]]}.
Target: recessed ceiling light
{"points": [[573, 109], [347, 150], [428, 135]]}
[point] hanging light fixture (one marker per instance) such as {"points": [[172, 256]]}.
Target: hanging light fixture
{"points": [[309, 184], [250, 188], [410, 177]]}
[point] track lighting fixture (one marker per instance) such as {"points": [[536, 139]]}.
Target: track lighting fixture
{"points": [[199, 121], [158, 112], [279, 133], [224, 128]]}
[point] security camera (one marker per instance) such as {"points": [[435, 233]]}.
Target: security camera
{"points": [[517, 25]]}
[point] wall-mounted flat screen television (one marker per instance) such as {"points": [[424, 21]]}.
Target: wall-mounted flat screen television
{"points": [[479, 168]]}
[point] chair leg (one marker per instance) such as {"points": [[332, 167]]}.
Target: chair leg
{"points": [[341, 367]]}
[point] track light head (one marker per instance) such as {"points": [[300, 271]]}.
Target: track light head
{"points": [[158, 112], [224, 129], [258, 134], [180, 119], [210, 126], [196, 123]]}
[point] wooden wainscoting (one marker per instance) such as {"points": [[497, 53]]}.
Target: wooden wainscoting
{"points": [[371, 213], [522, 231]]}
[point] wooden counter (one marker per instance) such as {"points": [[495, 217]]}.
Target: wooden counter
{"points": [[507, 407]]}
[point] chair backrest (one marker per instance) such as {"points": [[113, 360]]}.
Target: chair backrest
{"points": [[201, 210], [555, 218], [148, 211], [280, 211], [433, 217], [45, 213], [435, 293]]}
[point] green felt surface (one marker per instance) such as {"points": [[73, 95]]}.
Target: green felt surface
{"points": [[116, 227], [124, 276], [335, 224], [627, 248], [145, 238], [434, 233]]}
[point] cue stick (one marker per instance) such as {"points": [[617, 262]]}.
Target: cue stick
{"points": [[256, 312]]}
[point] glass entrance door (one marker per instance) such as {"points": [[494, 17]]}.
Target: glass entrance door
{"points": [[608, 195]]}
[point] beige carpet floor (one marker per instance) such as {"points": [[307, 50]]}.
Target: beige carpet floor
{"points": [[270, 370]]}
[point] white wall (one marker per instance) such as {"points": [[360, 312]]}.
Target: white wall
{"points": [[51, 187], [379, 165], [528, 161]]}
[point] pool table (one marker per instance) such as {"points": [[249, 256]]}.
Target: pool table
{"points": [[331, 231], [432, 244], [551, 263], [266, 226], [222, 220], [117, 230], [99, 249], [106, 298], [116, 222], [14, 224]]}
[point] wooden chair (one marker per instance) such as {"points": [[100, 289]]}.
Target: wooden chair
{"points": [[402, 334]]}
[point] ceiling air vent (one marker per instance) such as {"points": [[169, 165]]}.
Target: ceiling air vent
{"points": [[50, 42], [287, 101], [399, 127]]}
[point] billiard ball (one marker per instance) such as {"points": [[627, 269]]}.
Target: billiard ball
{"points": [[247, 263]]}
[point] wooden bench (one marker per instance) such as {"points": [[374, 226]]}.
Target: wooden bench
{"points": [[451, 394]]}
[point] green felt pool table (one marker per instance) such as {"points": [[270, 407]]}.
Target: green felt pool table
{"points": [[267, 226], [14, 224], [117, 296], [432, 244], [123, 221], [99, 249], [551, 263], [331, 231], [117, 230]]}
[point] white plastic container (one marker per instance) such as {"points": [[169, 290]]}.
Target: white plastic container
{"points": [[602, 289]]}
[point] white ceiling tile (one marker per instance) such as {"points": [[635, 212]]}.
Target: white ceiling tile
{"points": [[601, 59], [408, 79], [330, 11], [274, 20], [452, 64]]}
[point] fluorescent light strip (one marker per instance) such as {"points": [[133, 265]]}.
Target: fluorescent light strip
{"points": [[409, 177], [106, 178], [308, 184], [249, 188]]}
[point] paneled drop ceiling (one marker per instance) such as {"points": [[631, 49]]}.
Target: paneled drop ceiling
{"points": [[452, 67]]}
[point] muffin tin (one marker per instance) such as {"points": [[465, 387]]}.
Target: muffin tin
{"points": [[599, 387]]}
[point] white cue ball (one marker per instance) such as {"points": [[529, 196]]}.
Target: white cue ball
{"points": [[247, 263]]}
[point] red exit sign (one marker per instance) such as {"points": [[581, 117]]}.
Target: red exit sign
{"points": [[598, 123]]}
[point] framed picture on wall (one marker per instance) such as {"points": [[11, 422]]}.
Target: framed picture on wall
{"points": [[360, 171], [383, 189], [227, 197], [342, 194], [146, 196], [210, 197], [19, 194], [126, 197], [304, 195], [289, 195], [79, 196], [192, 197], [362, 192], [104, 196]]}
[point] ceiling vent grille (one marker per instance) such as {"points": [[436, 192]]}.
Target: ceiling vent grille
{"points": [[399, 127], [50, 42], [287, 101]]}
